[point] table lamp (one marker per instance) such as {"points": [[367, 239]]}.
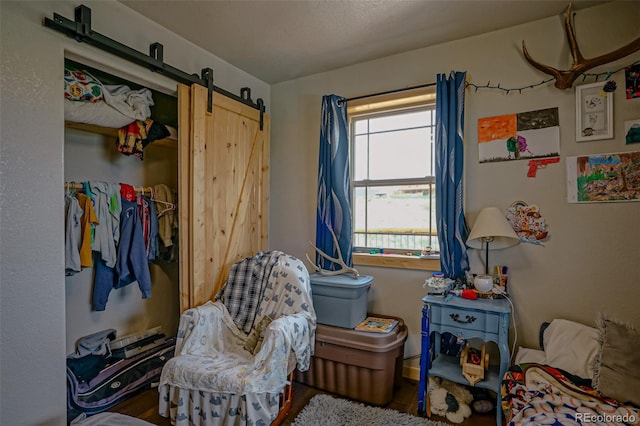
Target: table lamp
{"points": [[491, 230]]}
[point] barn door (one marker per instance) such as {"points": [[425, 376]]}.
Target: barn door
{"points": [[223, 190]]}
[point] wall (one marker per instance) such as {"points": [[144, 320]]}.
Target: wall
{"points": [[32, 298], [591, 261], [89, 156]]}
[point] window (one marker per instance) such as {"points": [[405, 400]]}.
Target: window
{"points": [[393, 156]]}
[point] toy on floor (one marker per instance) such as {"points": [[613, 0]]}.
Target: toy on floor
{"points": [[449, 399]]}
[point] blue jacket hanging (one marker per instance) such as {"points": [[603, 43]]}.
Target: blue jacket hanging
{"points": [[131, 263]]}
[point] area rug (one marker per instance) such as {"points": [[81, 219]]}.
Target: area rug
{"points": [[108, 419], [325, 410]]}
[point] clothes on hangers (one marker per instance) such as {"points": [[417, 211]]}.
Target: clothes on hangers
{"points": [[151, 242], [128, 192], [167, 220], [88, 221], [145, 220], [73, 235], [131, 264], [137, 231], [108, 207]]}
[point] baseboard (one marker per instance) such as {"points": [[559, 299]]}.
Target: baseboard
{"points": [[411, 372]]}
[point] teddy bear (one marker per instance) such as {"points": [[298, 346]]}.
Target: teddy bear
{"points": [[449, 399]]}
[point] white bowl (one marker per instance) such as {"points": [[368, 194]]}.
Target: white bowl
{"points": [[483, 282]]}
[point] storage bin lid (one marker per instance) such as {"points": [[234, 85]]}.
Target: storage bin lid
{"points": [[342, 280]]}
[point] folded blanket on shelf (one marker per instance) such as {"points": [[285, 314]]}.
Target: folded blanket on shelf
{"points": [[87, 100], [132, 103]]}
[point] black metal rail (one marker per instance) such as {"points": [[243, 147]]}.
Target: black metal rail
{"points": [[80, 29]]}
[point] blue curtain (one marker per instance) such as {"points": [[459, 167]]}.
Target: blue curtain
{"points": [[334, 183], [452, 227]]}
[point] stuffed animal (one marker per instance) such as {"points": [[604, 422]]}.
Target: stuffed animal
{"points": [[449, 399]]}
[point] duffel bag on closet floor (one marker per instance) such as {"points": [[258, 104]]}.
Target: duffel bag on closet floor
{"points": [[119, 379]]}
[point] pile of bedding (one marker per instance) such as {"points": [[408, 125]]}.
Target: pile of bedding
{"points": [[536, 394], [89, 101], [581, 375]]}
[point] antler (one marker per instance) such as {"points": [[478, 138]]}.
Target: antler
{"points": [[565, 78], [337, 260]]}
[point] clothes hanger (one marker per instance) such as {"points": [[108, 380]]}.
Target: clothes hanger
{"points": [[170, 206]]}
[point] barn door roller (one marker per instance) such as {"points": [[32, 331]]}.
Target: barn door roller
{"points": [[80, 29]]}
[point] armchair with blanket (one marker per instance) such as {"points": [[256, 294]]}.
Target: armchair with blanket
{"points": [[233, 355]]}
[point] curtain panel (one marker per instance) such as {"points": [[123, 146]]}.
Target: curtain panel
{"points": [[451, 224], [334, 184]]}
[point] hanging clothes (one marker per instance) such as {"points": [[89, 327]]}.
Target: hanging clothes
{"points": [[73, 235], [167, 221], [128, 192], [148, 216], [87, 222], [145, 220], [151, 243], [107, 232], [131, 262]]}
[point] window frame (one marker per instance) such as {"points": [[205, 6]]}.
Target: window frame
{"points": [[417, 99]]}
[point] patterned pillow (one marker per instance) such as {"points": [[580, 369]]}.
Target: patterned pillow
{"points": [[82, 86]]}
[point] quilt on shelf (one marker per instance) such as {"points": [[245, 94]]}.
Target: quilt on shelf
{"points": [[536, 394]]}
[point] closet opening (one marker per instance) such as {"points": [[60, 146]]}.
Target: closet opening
{"points": [[131, 155]]}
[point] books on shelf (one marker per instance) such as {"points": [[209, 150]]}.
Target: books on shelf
{"points": [[377, 324]]}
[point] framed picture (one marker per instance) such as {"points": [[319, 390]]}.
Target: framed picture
{"points": [[594, 112]]}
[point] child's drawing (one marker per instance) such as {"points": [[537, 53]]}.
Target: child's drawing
{"points": [[527, 135], [604, 177]]}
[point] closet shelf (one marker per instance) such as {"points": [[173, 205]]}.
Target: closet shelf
{"points": [[170, 141]]}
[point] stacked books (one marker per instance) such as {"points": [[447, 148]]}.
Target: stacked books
{"points": [[377, 324]]}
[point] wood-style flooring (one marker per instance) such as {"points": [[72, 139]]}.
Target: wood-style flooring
{"points": [[405, 399]]}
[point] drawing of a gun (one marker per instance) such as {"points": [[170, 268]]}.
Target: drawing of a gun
{"points": [[542, 163]]}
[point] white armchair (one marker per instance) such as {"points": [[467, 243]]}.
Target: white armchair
{"points": [[224, 375]]}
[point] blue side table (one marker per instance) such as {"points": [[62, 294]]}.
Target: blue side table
{"points": [[482, 318]]}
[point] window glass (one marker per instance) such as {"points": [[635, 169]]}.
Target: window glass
{"points": [[400, 154], [399, 121], [394, 188]]}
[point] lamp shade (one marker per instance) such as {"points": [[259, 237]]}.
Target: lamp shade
{"points": [[492, 227]]}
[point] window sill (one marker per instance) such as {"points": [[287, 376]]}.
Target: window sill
{"points": [[397, 261]]}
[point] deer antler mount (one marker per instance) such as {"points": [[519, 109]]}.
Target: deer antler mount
{"points": [[565, 78]]}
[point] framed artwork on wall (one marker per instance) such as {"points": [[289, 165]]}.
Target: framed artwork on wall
{"points": [[594, 112]]}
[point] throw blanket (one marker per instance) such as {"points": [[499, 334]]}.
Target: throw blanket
{"points": [[244, 288], [210, 353], [544, 395]]}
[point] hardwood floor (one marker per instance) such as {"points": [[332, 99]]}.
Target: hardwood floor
{"points": [[405, 399]]}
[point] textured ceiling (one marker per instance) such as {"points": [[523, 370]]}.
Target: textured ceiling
{"points": [[281, 40]]}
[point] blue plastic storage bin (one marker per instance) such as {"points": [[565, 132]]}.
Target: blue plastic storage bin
{"points": [[340, 300]]}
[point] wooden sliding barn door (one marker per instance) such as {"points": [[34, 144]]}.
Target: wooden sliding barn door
{"points": [[223, 190]]}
